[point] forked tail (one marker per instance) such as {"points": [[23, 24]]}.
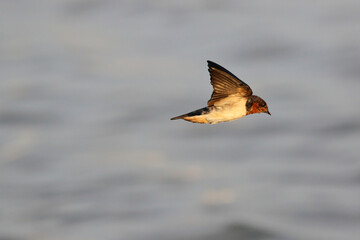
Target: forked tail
{"points": [[198, 112]]}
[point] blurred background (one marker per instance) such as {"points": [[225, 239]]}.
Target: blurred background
{"points": [[87, 150]]}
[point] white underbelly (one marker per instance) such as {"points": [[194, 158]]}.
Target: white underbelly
{"points": [[226, 113]]}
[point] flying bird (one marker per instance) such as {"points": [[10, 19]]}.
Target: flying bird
{"points": [[230, 100]]}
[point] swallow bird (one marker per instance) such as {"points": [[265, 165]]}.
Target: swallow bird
{"points": [[230, 100]]}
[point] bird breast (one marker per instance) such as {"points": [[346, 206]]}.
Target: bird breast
{"points": [[229, 109]]}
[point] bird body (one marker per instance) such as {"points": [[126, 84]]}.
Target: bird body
{"points": [[230, 100]]}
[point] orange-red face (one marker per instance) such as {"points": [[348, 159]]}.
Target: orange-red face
{"points": [[257, 105]]}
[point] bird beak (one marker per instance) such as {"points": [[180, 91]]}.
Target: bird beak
{"points": [[268, 112]]}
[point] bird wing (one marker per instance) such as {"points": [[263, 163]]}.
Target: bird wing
{"points": [[225, 83]]}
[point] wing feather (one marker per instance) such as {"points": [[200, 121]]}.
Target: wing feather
{"points": [[225, 83]]}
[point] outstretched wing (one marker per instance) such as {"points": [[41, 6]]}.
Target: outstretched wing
{"points": [[225, 83]]}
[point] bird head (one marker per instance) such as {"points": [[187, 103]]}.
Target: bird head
{"points": [[255, 104]]}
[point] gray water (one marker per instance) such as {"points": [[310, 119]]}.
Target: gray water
{"points": [[87, 150]]}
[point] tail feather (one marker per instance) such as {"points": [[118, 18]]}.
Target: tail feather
{"points": [[178, 117], [198, 112]]}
